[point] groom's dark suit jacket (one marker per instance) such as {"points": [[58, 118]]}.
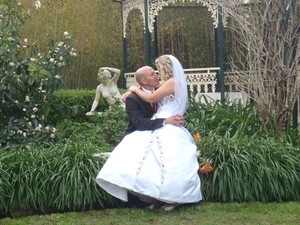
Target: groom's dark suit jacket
{"points": [[140, 113]]}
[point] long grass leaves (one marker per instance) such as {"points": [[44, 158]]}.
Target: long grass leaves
{"points": [[60, 178], [251, 169]]}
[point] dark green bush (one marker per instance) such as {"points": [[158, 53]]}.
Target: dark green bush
{"points": [[113, 123], [73, 105]]}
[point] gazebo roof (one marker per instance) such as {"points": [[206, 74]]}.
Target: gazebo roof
{"points": [[154, 6]]}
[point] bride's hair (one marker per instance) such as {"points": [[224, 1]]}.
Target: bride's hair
{"points": [[164, 66]]}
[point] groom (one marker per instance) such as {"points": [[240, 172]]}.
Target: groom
{"points": [[139, 111]]}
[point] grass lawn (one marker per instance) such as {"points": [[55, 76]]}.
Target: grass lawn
{"points": [[205, 213]]}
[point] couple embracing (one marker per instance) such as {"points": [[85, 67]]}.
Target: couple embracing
{"points": [[157, 158]]}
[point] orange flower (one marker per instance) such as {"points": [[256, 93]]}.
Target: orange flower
{"points": [[197, 137], [206, 169]]}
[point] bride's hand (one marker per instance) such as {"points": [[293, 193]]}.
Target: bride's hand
{"points": [[124, 96], [133, 88]]}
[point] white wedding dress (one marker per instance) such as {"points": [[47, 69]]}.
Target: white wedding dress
{"points": [[160, 164]]}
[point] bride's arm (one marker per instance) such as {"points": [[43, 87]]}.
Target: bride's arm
{"points": [[165, 89]]}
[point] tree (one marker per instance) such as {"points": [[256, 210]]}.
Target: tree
{"points": [[95, 25], [266, 59]]}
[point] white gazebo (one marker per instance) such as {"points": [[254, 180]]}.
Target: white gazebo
{"points": [[150, 9]]}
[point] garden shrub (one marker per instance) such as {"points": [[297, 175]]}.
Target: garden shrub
{"points": [[113, 123], [72, 104], [27, 81]]}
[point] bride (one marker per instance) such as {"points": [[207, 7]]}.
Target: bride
{"points": [[158, 166]]}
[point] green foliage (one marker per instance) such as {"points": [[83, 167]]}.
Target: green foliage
{"points": [[250, 163], [89, 132], [224, 119], [72, 105], [59, 178], [25, 83], [113, 123], [250, 169]]}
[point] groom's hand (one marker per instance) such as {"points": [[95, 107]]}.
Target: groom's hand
{"points": [[175, 120]]}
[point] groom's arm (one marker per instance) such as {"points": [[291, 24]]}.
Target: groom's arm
{"points": [[140, 116]]}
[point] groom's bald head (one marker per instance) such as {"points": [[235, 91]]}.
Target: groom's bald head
{"points": [[142, 72]]}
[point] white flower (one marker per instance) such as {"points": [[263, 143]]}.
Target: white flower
{"points": [[35, 109], [24, 134], [52, 135], [51, 60], [11, 64], [67, 35], [37, 129], [57, 77], [29, 123], [19, 132], [32, 116], [25, 40], [16, 101], [37, 4], [61, 58], [73, 54], [24, 109], [61, 43], [27, 99], [53, 130]]}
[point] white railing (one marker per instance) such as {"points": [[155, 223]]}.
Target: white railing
{"points": [[200, 80]]}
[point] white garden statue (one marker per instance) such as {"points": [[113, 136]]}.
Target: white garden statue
{"points": [[108, 89]]}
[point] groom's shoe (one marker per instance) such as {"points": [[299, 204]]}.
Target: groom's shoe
{"points": [[155, 204], [170, 207]]}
